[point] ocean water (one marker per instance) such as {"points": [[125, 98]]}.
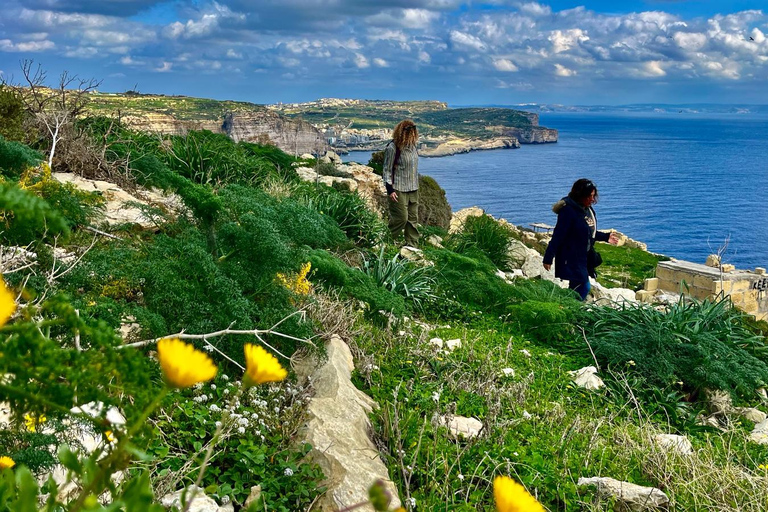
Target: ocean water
{"points": [[682, 183]]}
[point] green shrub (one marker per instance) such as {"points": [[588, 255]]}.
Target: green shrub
{"points": [[548, 322], [434, 209], [377, 162], [485, 235], [348, 209], [352, 282], [702, 344], [398, 276], [11, 114], [15, 158], [27, 218]]}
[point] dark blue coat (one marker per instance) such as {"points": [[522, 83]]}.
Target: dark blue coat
{"points": [[571, 240]]}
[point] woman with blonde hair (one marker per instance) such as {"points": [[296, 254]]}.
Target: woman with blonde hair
{"points": [[401, 178]]}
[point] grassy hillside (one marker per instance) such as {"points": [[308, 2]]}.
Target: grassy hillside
{"points": [[251, 248], [183, 108]]}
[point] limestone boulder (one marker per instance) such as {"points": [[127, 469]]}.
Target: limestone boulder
{"points": [[673, 443], [118, 208], [759, 434], [612, 296], [528, 260], [338, 428], [751, 414], [460, 217], [628, 496], [200, 501], [587, 378], [460, 427]]}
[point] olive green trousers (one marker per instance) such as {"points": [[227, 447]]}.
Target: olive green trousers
{"points": [[404, 216]]}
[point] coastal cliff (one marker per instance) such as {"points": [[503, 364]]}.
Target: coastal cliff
{"points": [[457, 146], [294, 136]]}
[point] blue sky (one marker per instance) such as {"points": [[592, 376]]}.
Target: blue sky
{"points": [[458, 51]]}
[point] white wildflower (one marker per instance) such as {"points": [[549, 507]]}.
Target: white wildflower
{"points": [[288, 472], [241, 430]]}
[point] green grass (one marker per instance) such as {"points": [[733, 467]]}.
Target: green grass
{"points": [[625, 267]]}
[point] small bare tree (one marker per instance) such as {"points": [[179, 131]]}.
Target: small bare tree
{"points": [[55, 109]]}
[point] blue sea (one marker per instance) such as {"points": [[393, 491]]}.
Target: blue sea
{"points": [[682, 183]]}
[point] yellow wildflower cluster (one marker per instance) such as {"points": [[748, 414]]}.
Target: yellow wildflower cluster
{"points": [[512, 497], [6, 462], [33, 421], [7, 303], [298, 284], [35, 178], [184, 366]]}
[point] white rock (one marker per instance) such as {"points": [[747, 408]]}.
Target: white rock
{"points": [[307, 156], [437, 342], [462, 427], [435, 241], [411, 253], [338, 428], [752, 414], [587, 378], [460, 217], [615, 297], [200, 502], [94, 410], [672, 442], [253, 496], [452, 345], [632, 496], [759, 434], [508, 372]]}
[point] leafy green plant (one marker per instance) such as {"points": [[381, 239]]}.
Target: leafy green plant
{"points": [[703, 344], [484, 235], [434, 209], [401, 277]]}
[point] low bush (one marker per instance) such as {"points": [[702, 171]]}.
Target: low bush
{"points": [[399, 276], [15, 158], [434, 209], [485, 235], [700, 344], [351, 282]]}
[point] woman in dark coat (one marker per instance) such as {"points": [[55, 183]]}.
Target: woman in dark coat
{"points": [[574, 237]]}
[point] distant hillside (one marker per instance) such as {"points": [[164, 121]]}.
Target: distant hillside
{"points": [[342, 123]]}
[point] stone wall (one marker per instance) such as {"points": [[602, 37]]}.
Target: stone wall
{"points": [[748, 290]]}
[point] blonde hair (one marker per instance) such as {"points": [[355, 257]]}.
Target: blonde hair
{"points": [[405, 134]]}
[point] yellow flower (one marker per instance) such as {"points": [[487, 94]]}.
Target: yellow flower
{"points": [[33, 421], [109, 436], [183, 365], [261, 366], [7, 303], [298, 284], [6, 462], [512, 497], [762, 466]]}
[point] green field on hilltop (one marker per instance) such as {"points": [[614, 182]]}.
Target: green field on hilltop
{"points": [[183, 108]]}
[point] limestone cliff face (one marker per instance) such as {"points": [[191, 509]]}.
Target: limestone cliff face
{"points": [[293, 136], [532, 134], [456, 146], [165, 124]]}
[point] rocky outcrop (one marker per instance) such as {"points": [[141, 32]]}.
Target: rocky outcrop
{"points": [[338, 428], [532, 134], [456, 146], [120, 206], [156, 122], [294, 136], [628, 496], [362, 180]]}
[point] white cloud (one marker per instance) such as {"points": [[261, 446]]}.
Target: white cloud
{"points": [[535, 9], [416, 19], [164, 67], [466, 40], [424, 57], [653, 69], [7, 45], [232, 54], [561, 70], [504, 65], [564, 40], [380, 63], [690, 41], [361, 62]]}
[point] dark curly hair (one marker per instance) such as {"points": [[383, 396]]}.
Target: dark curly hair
{"points": [[405, 134], [582, 189]]}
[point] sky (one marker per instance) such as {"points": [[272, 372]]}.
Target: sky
{"points": [[502, 52]]}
